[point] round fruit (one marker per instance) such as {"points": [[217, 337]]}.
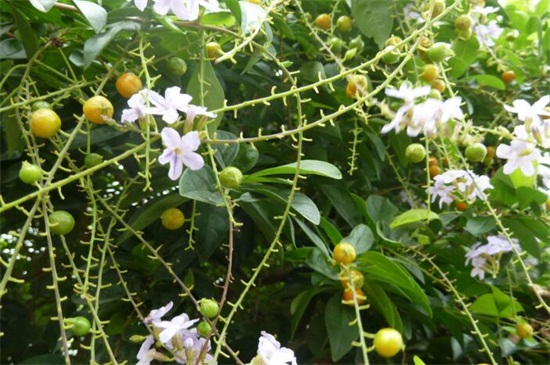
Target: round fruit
{"points": [[172, 219], [344, 23], [204, 328], [209, 308], [415, 153], [335, 44], [434, 171], [344, 253], [463, 23], [177, 66], [97, 109], [44, 123], [508, 76], [435, 94], [61, 222], [430, 72], [357, 85], [490, 152], [524, 330], [213, 49], [79, 326], [231, 177], [323, 21], [438, 85], [433, 161], [247, 157], [92, 159], [357, 43], [461, 206], [128, 84], [463, 34], [393, 41], [357, 278], [41, 104], [476, 152], [347, 296], [425, 43], [391, 56], [30, 173], [439, 51], [388, 342], [439, 7]]}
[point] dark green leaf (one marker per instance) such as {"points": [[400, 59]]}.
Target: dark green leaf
{"points": [[343, 202], [28, 35], [480, 225], [12, 49], [225, 153], [489, 80], [220, 18], [340, 334], [317, 241], [374, 19], [361, 238], [465, 54], [529, 231], [96, 44], [200, 185], [414, 217], [299, 305], [331, 231], [380, 209], [318, 261], [213, 225], [94, 14], [382, 303]]}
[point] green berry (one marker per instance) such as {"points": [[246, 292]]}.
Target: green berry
{"points": [[231, 177], [391, 56], [344, 23], [61, 222], [439, 52], [357, 43], [79, 326], [30, 173], [177, 66], [476, 152], [209, 308], [41, 104], [415, 153], [204, 328], [92, 159], [463, 22], [335, 44]]}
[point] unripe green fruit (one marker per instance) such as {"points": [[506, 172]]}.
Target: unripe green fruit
{"points": [[463, 22], [231, 177], [61, 222], [204, 328], [430, 72], [357, 43], [476, 152], [463, 34], [393, 41], [344, 23], [177, 66], [435, 94], [415, 153], [80, 326], [92, 159], [40, 105], [209, 308], [335, 44], [439, 7], [439, 51], [30, 173], [392, 55]]}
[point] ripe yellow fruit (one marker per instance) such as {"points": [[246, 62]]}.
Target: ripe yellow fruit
{"points": [[98, 109], [128, 84], [323, 21], [344, 253], [44, 123], [172, 219]]}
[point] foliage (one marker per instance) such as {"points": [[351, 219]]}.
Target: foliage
{"points": [[317, 122]]}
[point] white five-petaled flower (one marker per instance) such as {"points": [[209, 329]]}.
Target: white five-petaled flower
{"points": [[140, 4], [484, 258], [408, 94], [138, 106], [530, 114], [174, 326], [270, 352], [146, 352], [156, 314], [180, 151], [520, 154], [461, 185], [487, 33], [184, 9], [191, 111], [253, 16], [169, 105]]}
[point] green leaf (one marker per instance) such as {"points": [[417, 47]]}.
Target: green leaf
{"points": [[225, 153], [299, 305], [94, 14], [96, 44], [496, 304], [503, 190], [44, 359], [200, 185], [374, 19], [300, 203], [480, 225], [12, 132], [235, 8], [307, 167], [343, 202], [488, 80], [331, 231], [380, 209], [28, 35], [527, 195], [466, 52], [382, 303], [150, 212], [261, 213], [213, 225], [340, 334], [317, 241], [413, 217], [206, 90], [380, 268], [361, 238], [220, 18], [418, 361], [12, 48], [318, 261], [529, 231]]}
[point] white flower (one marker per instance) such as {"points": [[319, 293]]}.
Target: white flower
{"points": [[193, 345], [169, 105], [499, 244], [140, 4], [530, 114], [180, 151], [487, 33], [146, 354], [459, 184], [253, 16], [184, 9], [172, 327], [408, 94], [520, 154], [484, 258], [271, 352], [191, 111], [411, 14], [138, 106], [156, 314]]}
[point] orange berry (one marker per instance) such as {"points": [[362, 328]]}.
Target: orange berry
{"points": [[347, 296], [97, 109], [323, 21], [438, 85], [434, 171], [128, 84], [508, 76]]}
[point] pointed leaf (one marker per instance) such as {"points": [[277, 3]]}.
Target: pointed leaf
{"points": [[307, 167], [200, 185], [340, 333], [361, 238], [96, 44], [94, 14], [413, 216], [374, 19]]}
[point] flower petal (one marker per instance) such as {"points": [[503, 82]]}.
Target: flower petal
{"points": [[170, 138]]}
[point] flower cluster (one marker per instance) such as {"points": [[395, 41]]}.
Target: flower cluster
{"points": [[485, 257], [486, 31], [459, 185], [522, 151], [427, 117], [184, 9], [270, 352], [177, 335], [179, 151]]}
